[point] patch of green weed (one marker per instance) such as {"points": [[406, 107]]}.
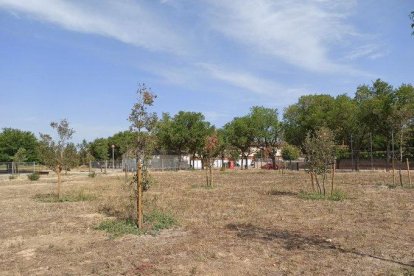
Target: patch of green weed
{"points": [[154, 221], [336, 196]]}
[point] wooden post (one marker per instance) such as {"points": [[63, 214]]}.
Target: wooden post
{"points": [[139, 195], [408, 170], [58, 171], [333, 176], [90, 166]]}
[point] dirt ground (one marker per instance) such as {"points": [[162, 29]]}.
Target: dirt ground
{"points": [[251, 223]]}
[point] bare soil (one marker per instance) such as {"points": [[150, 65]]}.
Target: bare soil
{"points": [[250, 223]]}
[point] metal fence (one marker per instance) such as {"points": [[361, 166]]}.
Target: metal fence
{"points": [[19, 167]]}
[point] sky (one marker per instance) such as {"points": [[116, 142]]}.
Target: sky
{"points": [[83, 59]]}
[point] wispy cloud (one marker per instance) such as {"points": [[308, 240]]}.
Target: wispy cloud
{"points": [[371, 51], [300, 33], [127, 21], [259, 86]]}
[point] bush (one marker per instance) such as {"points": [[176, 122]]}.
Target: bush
{"points": [[33, 176], [92, 174]]}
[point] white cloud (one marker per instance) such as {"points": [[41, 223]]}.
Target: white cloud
{"points": [[298, 32], [126, 21]]}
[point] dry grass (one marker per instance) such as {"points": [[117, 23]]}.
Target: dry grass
{"points": [[252, 223]]}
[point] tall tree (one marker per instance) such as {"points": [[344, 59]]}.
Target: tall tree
{"points": [[308, 114], [184, 133], [53, 152], [11, 140], [240, 133], [85, 152], [99, 149], [267, 130]]}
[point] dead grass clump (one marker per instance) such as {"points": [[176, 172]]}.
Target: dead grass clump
{"points": [[118, 201]]}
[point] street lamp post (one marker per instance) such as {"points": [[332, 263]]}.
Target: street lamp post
{"points": [[113, 157]]}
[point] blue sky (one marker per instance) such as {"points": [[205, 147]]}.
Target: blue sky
{"points": [[82, 60]]}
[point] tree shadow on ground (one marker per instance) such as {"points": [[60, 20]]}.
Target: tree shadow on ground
{"points": [[281, 193], [296, 241]]}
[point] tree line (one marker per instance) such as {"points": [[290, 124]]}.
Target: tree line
{"points": [[378, 117]]}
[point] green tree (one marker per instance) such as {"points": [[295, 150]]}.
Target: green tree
{"points": [[290, 153], [267, 130], [85, 153], [310, 113], [123, 142], [99, 149], [11, 140], [70, 157], [53, 152], [184, 133], [240, 134]]}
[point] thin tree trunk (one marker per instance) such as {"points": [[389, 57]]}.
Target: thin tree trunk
{"points": [[140, 216], [317, 183], [333, 176], [242, 157], [273, 161], [312, 182], [211, 175], [58, 171], [323, 183], [393, 172], [207, 180], [401, 158], [408, 170]]}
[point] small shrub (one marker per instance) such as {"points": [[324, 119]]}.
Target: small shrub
{"points": [[92, 174], [75, 196], [336, 196], [33, 176]]}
